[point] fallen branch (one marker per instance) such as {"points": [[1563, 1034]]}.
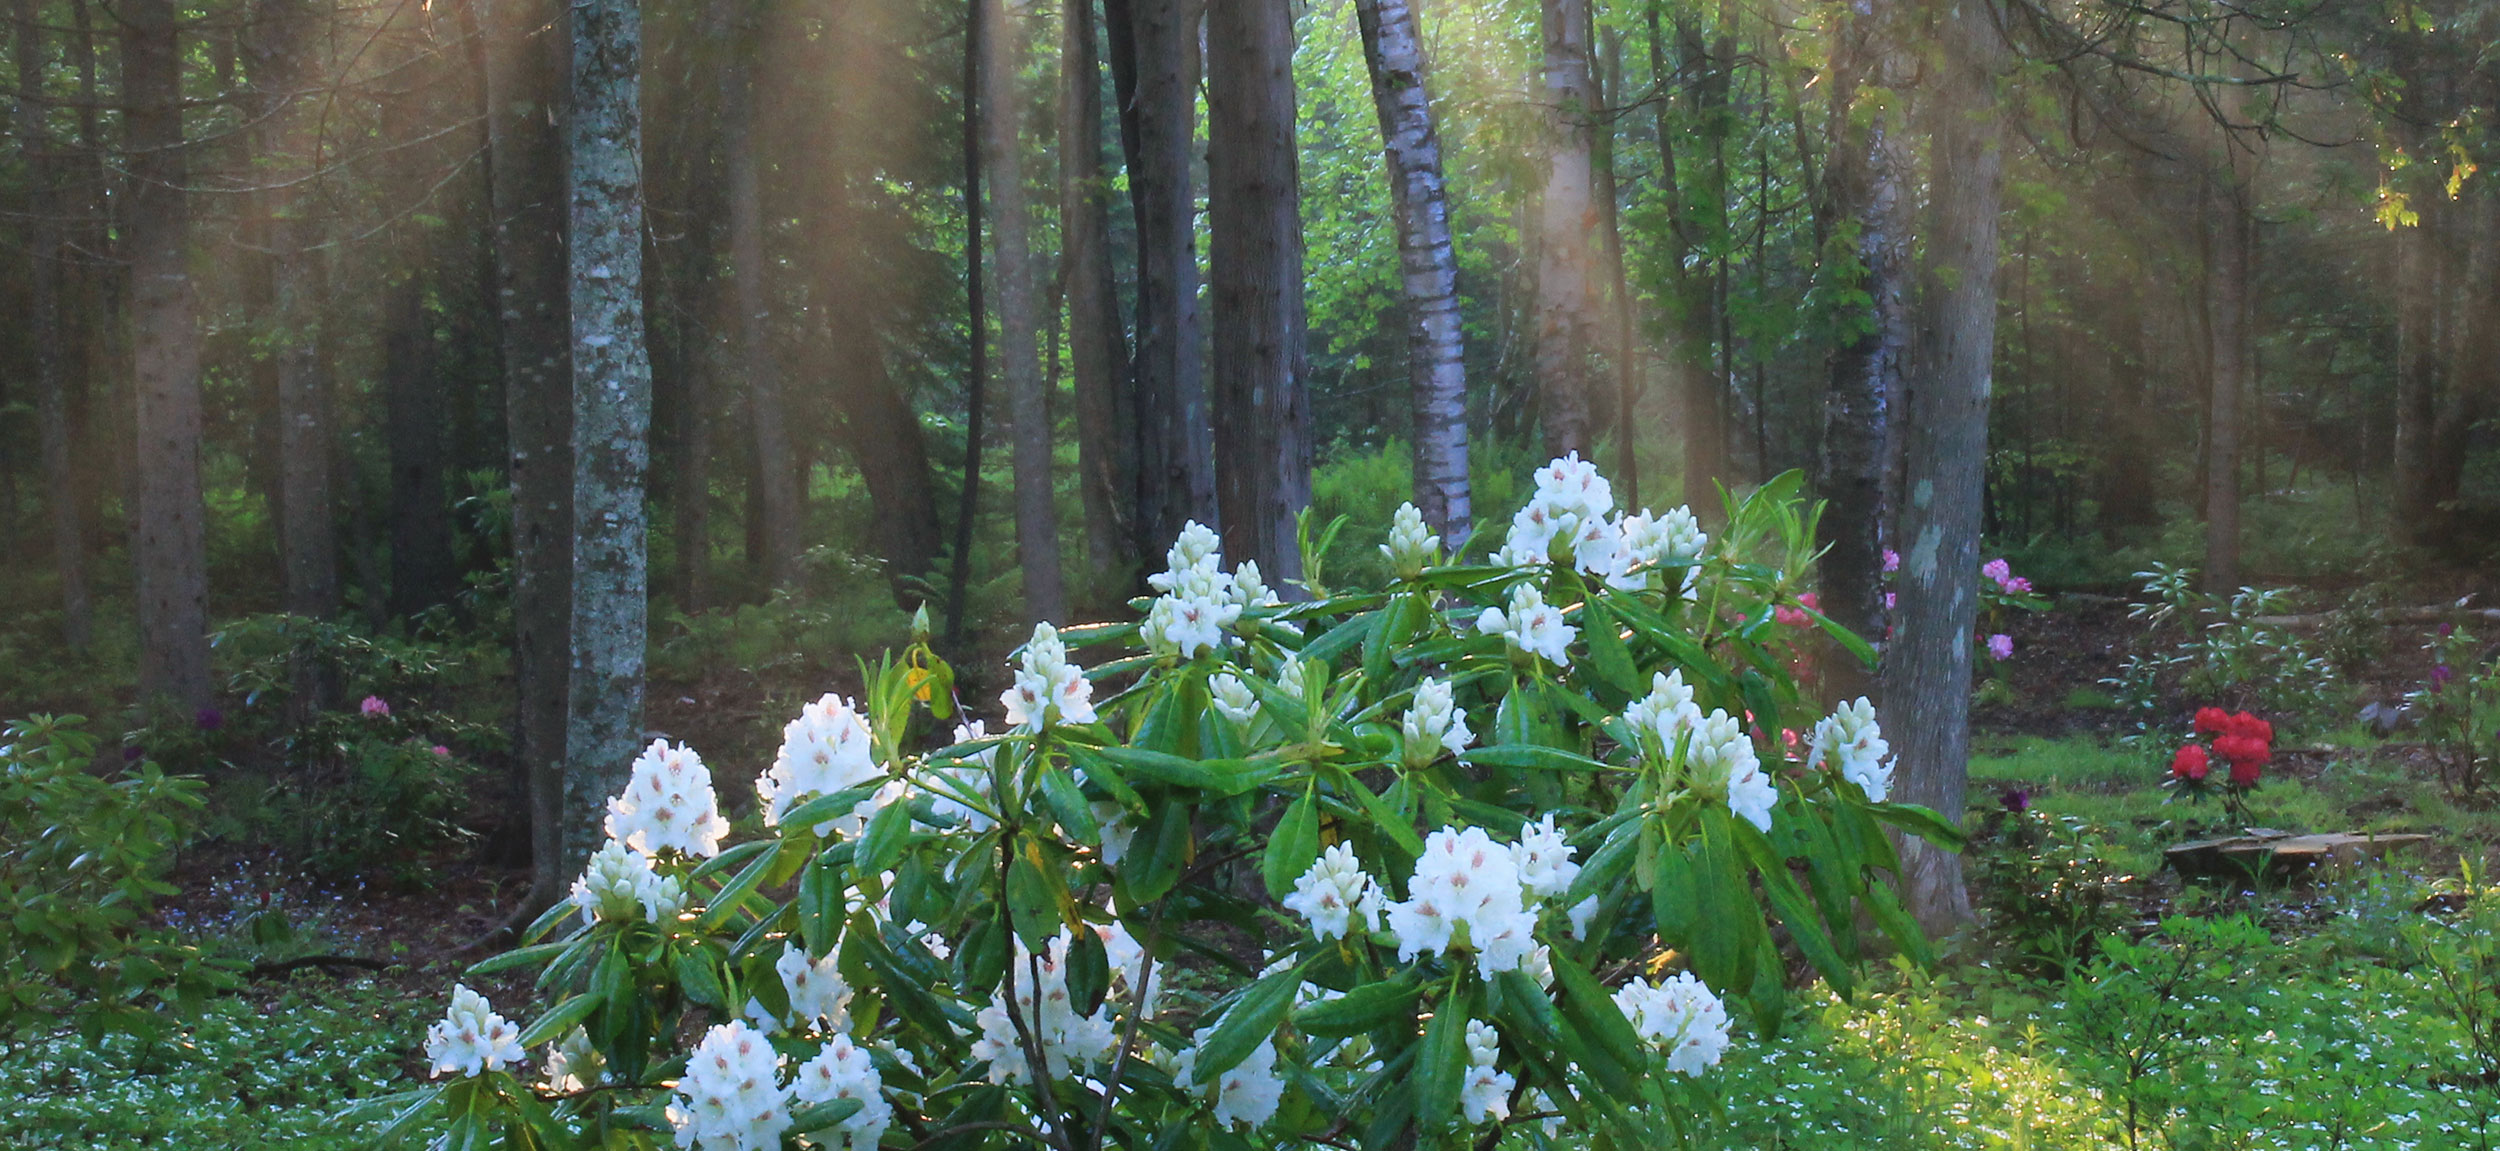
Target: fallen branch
{"points": [[2435, 613], [327, 962]]}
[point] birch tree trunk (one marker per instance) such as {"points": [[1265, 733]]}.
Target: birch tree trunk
{"points": [[1176, 450], [611, 416], [1566, 219], [1436, 369], [1927, 672], [2226, 284], [1254, 264], [170, 549], [43, 282], [1019, 319], [1871, 173], [1106, 418]]}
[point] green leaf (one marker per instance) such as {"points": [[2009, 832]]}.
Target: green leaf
{"points": [[521, 957], [1441, 1067], [1607, 656], [1921, 822], [1294, 845], [559, 1020], [1533, 757], [1089, 970], [1157, 854], [1068, 806], [826, 808], [1591, 1013], [1360, 1009], [818, 1117], [882, 845], [820, 903], [1163, 767], [981, 959], [1393, 627], [1246, 1024], [700, 980], [1789, 902]]}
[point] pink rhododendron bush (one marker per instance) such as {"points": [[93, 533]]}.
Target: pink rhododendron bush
{"points": [[1509, 842]]}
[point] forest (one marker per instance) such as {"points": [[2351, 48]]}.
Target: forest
{"points": [[1507, 574]]}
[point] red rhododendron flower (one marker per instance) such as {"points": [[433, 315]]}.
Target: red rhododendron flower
{"points": [[2244, 772], [2212, 720], [2250, 727], [2190, 764]]}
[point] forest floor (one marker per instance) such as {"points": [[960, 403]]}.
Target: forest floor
{"points": [[2330, 1026]]}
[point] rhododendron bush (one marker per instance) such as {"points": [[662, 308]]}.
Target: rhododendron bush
{"points": [[1504, 842]]}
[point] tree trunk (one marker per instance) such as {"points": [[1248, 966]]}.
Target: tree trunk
{"points": [[778, 495], [1693, 316], [1436, 368], [43, 281], [1927, 673], [1871, 176], [1176, 450], [611, 416], [1566, 219], [1019, 318], [1106, 418], [976, 324], [2226, 284], [171, 550], [412, 387], [2473, 357], [2417, 372], [1254, 265], [525, 54]]}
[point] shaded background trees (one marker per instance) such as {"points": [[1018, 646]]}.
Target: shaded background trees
{"points": [[293, 331]]}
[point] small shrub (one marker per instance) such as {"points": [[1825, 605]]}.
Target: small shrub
{"points": [[2047, 886], [82, 861]]}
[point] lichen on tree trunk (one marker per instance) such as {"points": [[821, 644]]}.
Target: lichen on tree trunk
{"points": [[611, 417]]}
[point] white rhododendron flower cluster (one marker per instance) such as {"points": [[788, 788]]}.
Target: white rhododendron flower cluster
{"points": [[1681, 1016], [827, 749], [1722, 761], [1531, 625], [1719, 758], [573, 1064], [1334, 892], [1066, 1038], [668, 804], [1233, 698], [1412, 546], [1200, 600], [1434, 724], [818, 996], [731, 1097], [1470, 892], [1570, 511], [844, 1070], [470, 1038], [1667, 711], [620, 884], [1248, 1093], [1048, 688], [1484, 1096], [1852, 742]]}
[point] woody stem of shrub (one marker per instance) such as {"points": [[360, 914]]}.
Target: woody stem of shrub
{"points": [[1128, 1037], [1035, 1064]]}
